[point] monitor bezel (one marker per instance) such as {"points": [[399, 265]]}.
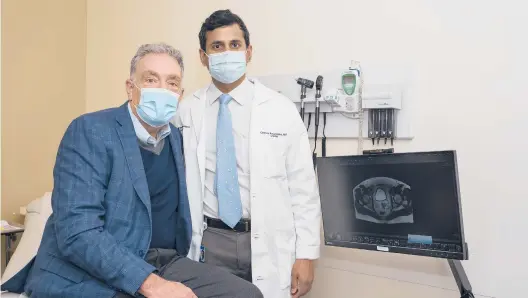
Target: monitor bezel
{"points": [[452, 155]]}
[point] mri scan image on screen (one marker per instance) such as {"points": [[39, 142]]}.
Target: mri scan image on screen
{"points": [[383, 200]]}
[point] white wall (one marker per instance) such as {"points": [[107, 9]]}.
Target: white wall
{"points": [[467, 62]]}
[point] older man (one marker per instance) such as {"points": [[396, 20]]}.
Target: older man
{"points": [[121, 224]]}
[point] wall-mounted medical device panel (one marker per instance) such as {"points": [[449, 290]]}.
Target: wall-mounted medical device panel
{"points": [[385, 97], [339, 99]]}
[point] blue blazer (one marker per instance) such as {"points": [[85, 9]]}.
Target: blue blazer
{"points": [[95, 241]]}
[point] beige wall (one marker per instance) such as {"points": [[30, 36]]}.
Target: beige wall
{"points": [[43, 80], [111, 44], [467, 80]]}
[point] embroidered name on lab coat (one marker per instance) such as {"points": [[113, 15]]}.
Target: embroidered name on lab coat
{"points": [[274, 134]]}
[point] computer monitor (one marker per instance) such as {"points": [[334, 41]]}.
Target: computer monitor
{"points": [[400, 202]]}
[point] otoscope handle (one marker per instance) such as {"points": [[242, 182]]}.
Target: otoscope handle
{"points": [[317, 116]]}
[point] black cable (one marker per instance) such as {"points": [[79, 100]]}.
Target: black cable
{"points": [[314, 155], [324, 124], [318, 88], [315, 140], [323, 139]]}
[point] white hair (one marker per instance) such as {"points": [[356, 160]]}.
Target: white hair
{"points": [[155, 48]]}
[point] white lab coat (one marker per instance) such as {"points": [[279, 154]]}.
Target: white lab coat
{"points": [[285, 204]]}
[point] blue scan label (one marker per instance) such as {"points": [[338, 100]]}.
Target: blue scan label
{"points": [[419, 239], [202, 254]]}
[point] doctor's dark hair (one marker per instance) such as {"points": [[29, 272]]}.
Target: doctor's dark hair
{"points": [[221, 18]]}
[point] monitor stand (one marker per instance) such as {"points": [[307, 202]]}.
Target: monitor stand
{"points": [[464, 286]]}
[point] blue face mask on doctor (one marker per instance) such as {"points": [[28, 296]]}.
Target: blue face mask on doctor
{"points": [[228, 66], [157, 106]]}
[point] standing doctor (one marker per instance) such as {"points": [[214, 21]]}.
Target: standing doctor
{"points": [[252, 188]]}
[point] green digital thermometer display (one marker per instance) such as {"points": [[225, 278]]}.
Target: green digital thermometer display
{"points": [[348, 81]]}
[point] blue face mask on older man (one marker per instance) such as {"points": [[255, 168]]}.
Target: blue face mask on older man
{"points": [[228, 66], [157, 106]]}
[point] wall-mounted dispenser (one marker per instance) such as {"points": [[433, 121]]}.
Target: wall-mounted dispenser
{"points": [[347, 97], [382, 111]]}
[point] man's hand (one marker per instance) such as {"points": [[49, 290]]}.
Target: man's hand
{"points": [[302, 278], [157, 287]]}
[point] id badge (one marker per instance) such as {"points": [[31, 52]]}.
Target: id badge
{"points": [[202, 254]]}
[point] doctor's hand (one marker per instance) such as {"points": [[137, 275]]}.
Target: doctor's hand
{"points": [[302, 278], [157, 287]]}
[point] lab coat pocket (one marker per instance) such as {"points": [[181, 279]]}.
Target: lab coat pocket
{"points": [[285, 243], [188, 134]]}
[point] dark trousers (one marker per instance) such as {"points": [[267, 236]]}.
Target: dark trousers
{"points": [[229, 250], [205, 280]]}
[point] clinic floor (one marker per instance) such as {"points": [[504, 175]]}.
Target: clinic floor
{"points": [[336, 283]]}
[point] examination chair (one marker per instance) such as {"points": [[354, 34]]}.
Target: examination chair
{"points": [[36, 215]]}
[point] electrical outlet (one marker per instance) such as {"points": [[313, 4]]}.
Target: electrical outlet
{"points": [[347, 104], [350, 104], [331, 99]]}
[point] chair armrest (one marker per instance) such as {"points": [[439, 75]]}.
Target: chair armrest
{"points": [[36, 215]]}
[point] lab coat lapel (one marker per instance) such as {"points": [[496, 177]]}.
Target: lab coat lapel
{"points": [[255, 125], [127, 136], [199, 123], [197, 112], [184, 226], [262, 93]]}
